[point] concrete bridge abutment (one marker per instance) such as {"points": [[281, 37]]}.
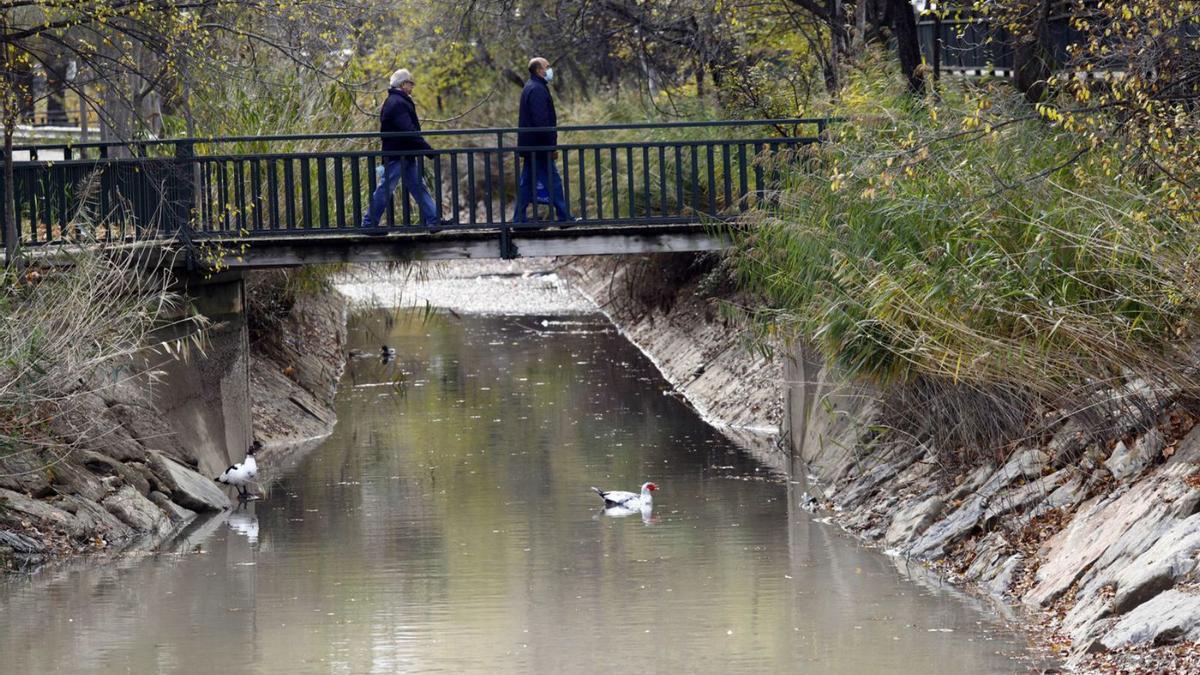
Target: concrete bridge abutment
{"points": [[204, 395]]}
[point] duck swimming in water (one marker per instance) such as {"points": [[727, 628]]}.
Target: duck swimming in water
{"points": [[629, 500]]}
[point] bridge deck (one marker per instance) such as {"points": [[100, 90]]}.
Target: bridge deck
{"points": [[404, 244]]}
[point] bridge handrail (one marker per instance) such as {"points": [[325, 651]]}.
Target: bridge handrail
{"points": [[195, 188], [350, 154], [819, 122]]}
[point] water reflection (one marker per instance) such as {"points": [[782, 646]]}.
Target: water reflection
{"points": [[646, 512], [448, 526], [245, 523]]}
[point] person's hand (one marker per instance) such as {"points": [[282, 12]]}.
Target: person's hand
{"points": [[553, 154]]}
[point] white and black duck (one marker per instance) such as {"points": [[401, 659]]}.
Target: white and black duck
{"points": [[629, 500], [241, 474]]}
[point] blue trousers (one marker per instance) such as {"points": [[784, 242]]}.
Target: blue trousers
{"points": [[408, 170], [547, 174]]}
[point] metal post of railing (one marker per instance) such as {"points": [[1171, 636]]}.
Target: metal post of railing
{"points": [[582, 184], [506, 246], [599, 183], [472, 197], [488, 188], [500, 173], [454, 210], [183, 196]]}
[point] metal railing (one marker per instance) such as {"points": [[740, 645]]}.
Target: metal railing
{"points": [[955, 38], [251, 186]]}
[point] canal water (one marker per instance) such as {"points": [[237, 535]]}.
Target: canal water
{"points": [[447, 525]]}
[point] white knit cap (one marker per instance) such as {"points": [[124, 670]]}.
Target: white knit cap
{"points": [[400, 77]]}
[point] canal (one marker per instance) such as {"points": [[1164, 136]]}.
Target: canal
{"points": [[447, 525]]}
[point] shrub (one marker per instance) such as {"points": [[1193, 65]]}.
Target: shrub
{"points": [[68, 324], [977, 241]]}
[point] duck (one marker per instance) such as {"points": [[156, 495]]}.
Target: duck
{"points": [[386, 353], [239, 475], [629, 500], [809, 502]]}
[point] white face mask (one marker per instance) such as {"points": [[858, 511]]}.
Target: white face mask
{"points": [[549, 74]]}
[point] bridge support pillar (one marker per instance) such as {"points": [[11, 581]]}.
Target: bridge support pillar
{"points": [[508, 249], [206, 399]]}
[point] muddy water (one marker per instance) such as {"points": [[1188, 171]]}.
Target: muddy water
{"points": [[447, 526]]}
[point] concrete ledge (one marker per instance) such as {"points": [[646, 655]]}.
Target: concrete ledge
{"points": [[401, 244], [289, 250]]}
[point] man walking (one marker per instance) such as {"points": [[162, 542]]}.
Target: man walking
{"points": [[537, 110], [399, 113]]}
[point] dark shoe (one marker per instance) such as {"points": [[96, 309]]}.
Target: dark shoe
{"points": [[569, 222], [434, 228]]}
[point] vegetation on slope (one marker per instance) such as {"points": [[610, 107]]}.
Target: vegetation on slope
{"points": [[66, 332], [986, 258]]}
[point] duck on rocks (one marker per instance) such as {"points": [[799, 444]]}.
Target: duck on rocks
{"points": [[629, 500], [809, 502], [239, 475]]}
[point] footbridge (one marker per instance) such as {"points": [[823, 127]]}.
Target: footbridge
{"points": [[273, 201]]}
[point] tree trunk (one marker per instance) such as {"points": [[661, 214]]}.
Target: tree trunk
{"points": [[1033, 56], [10, 107], [908, 49], [84, 129], [56, 93], [859, 44], [581, 81], [839, 46], [10, 210]]}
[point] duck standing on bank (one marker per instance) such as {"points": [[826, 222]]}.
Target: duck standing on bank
{"points": [[629, 500], [239, 475]]}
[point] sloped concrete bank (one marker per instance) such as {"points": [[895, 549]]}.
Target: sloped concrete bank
{"points": [[700, 354], [1096, 540], [141, 447]]}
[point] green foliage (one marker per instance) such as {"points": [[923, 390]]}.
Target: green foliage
{"points": [[969, 240], [271, 295]]}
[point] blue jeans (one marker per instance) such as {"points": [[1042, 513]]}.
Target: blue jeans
{"points": [[547, 174], [407, 169]]}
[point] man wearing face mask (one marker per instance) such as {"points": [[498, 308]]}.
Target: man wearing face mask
{"points": [[537, 110], [399, 113]]}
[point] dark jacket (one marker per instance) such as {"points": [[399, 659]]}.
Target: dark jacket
{"points": [[399, 113], [537, 110]]}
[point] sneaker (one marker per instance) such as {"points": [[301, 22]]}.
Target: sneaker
{"points": [[570, 222]]}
